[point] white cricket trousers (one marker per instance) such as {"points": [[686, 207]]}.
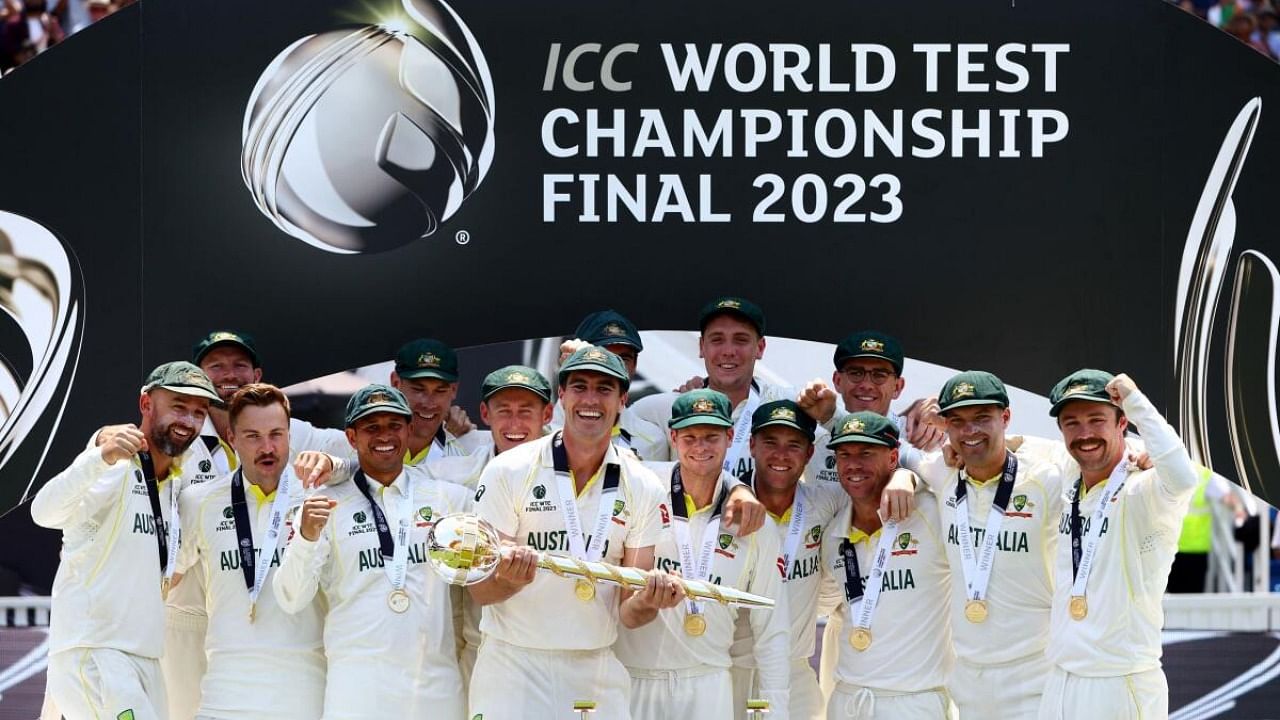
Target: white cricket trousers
{"points": [[806, 703], [1140, 696], [183, 664], [514, 683], [96, 683], [854, 702], [698, 693], [1004, 691]]}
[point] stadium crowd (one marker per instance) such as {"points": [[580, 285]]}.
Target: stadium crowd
{"points": [[32, 26]]}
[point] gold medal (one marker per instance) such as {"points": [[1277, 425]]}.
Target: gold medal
{"points": [[398, 601], [975, 611], [585, 590], [164, 588], [253, 611], [694, 625], [1079, 607], [860, 639]]}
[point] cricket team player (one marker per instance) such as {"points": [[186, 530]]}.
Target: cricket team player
{"points": [[1117, 537], [426, 372], [231, 361], [895, 651], [234, 532], [680, 663], [612, 331], [363, 544], [549, 640], [117, 506], [782, 438], [730, 342], [1000, 512]]}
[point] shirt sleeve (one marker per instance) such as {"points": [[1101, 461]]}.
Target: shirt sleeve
{"points": [[474, 441], [79, 492], [298, 578], [493, 499], [1176, 476], [770, 629], [645, 525], [305, 436], [191, 507]]}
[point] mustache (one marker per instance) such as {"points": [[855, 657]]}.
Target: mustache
{"points": [[266, 456]]}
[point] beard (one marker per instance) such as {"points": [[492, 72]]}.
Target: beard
{"points": [[161, 439]]}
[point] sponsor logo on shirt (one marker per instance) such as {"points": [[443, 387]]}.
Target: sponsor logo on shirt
{"points": [[424, 516], [363, 525], [1019, 507], [665, 513], [906, 545], [814, 538], [726, 545], [228, 522], [539, 504]]}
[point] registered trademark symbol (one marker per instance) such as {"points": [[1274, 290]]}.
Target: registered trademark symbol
{"points": [[463, 237]]}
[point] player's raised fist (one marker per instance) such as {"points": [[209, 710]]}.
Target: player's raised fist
{"points": [[315, 515], [1120, 387], [122, 442]]}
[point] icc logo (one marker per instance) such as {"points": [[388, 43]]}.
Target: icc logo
{"points": [[365, 138]]}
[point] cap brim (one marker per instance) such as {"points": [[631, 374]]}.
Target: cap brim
{"points": [[193, 392], [699, 420], [605, 342], [596, 368], [419, 373], [897, 366], [253, 355], [1057, 407], [786, 423], [495, 389], [702, 322], [970, 403], [380, 408], [863, 439]]}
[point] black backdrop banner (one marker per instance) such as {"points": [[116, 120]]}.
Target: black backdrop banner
{"points": [[1028, 188]]}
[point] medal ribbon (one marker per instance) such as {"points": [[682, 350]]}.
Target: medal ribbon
{"points": [[691, 568], [976, 565], [256, 572], [167, 536], [794, 530], [395, 549], [854, 593], [1082, 559], [742, 432], [569, 503]]}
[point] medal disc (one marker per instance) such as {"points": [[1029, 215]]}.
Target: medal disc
{"points": [[695, 625], [860, 639], [975, 611], [398, 601], [1079, 607], [585, 590], [164, 588]]}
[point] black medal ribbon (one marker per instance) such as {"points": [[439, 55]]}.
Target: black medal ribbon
{"points": [[441, 439], [1077, 528], [677, 496], [385, 542], [1004, 492], [148, 477], [852, 573], [560, 459], [244, 532]]}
